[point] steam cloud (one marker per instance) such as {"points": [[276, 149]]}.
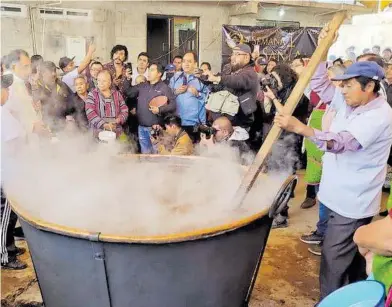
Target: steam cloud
{"points": [[85, 185]]}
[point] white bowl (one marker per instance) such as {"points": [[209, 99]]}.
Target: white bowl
{"points": [[107, 136]]}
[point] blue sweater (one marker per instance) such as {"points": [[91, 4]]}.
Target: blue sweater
{"points": [[190, 108]]}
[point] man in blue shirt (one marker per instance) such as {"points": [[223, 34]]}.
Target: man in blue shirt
{"points": [[191, 95]]}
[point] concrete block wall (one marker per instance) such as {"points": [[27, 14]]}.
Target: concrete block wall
{"points": [[125, 22], [15, 34], [131, 25], [51, 34], [122, 22], [307, 17]]}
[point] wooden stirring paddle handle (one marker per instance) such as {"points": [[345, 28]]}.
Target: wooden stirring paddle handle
{"points": [[289, 107]]}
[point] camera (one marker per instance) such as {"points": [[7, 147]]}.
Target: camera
{"points": [[203, 78], [155, 133], [269, 81], [128, 66], [207, 130]]}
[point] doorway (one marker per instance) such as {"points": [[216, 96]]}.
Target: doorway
{"points": [[168, 36], [158, 39]]}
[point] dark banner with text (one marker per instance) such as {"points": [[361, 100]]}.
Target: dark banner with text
{"points": [[283, 44]]}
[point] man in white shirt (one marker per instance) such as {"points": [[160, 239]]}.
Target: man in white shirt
{"points": [[142, 67], [12, 135], [20, 101], [71, 71], [357, 143]]}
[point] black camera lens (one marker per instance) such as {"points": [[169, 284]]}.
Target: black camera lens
{"points": [[207, 130]]}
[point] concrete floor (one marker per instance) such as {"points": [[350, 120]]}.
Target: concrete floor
{"points": [[288, 274]]}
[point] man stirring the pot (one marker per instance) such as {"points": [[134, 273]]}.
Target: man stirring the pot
{"points": [[356, 145]]}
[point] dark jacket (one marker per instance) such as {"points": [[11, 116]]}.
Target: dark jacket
{"points": [[79, 112], [239, 83], [301, 111], [145, 92], [388, 91], [57, 103]]}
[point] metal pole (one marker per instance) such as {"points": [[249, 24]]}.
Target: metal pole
{"points": [[32, 28]]}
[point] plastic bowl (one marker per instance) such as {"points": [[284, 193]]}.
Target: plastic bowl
{"points": [[367, 293], [107, 136]]}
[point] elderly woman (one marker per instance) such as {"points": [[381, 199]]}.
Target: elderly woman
{"points": [[105, 107]]}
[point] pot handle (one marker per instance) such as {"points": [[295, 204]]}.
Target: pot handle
{"points": [[283, 196]]}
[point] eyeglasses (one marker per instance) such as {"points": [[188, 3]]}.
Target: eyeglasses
{"points": [[296, 65], [238, 54]]}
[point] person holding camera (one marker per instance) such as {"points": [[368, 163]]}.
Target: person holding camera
{"points": [[278, 86], [191, 94], [286, 153], [119, 71], [154, 100], [222, 132], [240, 89], [175, 140]]}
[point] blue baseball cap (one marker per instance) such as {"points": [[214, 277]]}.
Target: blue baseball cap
{"points": [[170, 67], [362, 69]]}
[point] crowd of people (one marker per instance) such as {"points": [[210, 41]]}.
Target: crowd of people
{"points": [[183, 107]]}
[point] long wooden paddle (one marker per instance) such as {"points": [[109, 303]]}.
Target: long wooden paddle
{"points": [[289, 107]]}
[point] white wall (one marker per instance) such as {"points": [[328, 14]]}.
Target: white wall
{"points": [[306, 17], [114, 23]]}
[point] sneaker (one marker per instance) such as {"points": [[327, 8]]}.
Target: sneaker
{"points": [[312, 238], [308, 203], [315, 249], [282, 224], [16, 264]]}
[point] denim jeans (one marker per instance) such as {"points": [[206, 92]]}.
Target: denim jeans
{"points": [[323, 215], [144, 140], [323, 219]]}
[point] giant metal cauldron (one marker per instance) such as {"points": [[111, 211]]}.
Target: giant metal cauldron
{"points": [[214, 267]]}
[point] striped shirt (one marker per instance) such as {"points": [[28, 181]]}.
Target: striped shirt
{"points": [[101, 110]]}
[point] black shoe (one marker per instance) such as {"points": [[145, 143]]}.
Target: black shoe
{"points": [[17, 251], [308, 203], [312, 238], [20, 251], [282, 224], [16, 264], [384, 213], [19, 234], [315, 249]]}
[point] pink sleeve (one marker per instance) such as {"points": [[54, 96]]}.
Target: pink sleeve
{"points": [[94, 119], [341, 142], [321, 84]]}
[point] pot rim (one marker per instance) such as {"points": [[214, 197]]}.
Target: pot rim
{"points": [[148, 239]]}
